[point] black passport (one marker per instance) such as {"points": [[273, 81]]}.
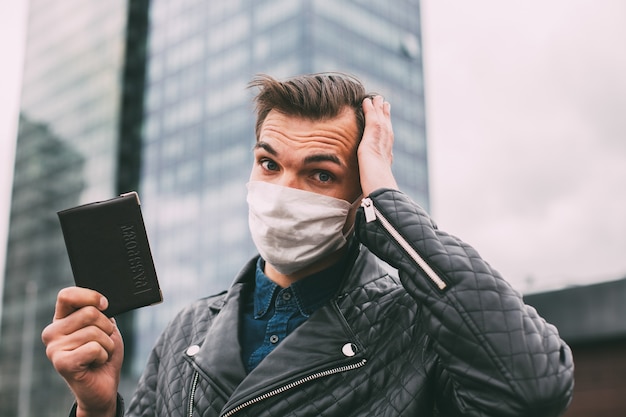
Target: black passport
{"points": [[109, 252]]}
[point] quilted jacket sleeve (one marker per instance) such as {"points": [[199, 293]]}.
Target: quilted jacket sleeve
{"points": [[144, 401], [497, 356]]}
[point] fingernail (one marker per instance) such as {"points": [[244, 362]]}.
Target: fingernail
{"points": [[104, 303]]}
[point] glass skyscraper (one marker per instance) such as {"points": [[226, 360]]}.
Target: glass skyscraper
{"points": [[122, 95], [198, 131], [67, 154]]}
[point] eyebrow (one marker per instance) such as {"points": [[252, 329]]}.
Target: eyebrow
{"points": [[266, 146], [320, 157]]}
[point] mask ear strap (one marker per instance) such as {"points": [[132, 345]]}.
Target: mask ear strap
{"points": [[357, 202], [349, 232]]}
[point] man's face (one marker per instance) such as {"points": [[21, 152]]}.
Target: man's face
{"points": [[316, 156]]}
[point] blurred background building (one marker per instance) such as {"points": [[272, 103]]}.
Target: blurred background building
{"points": [[592, 320], [199, 129], [67, 153], [151, 96]]}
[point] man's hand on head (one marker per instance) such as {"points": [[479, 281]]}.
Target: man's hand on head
{"points": [[375, 152]]}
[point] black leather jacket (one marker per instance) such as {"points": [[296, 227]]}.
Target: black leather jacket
{"points": [[450, 337]]}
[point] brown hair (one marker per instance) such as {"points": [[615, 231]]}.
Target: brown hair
{"points": [[313, 96]]}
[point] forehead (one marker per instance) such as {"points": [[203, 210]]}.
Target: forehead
{"points": [[338, 134]]}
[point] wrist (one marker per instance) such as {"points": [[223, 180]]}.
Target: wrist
{"points": [[376, 182], [375, 173], [108, 410]]}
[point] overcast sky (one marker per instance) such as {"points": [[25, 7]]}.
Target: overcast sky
{"points": [[526, 110], [526, 106]]}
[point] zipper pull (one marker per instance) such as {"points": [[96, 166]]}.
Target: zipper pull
{"points": [[368, 206]]}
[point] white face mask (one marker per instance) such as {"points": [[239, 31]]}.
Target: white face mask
{"points": [[293, 228]]}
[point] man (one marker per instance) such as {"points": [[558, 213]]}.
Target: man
{"points": [[315, 326]]}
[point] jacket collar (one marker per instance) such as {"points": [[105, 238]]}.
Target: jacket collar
{"points": [[316, 345]]}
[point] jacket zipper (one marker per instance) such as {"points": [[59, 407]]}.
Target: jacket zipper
{"points": [[192, 394], [372, 213], [291, 385]]}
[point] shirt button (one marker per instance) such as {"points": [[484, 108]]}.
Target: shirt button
{"points": [[287, 295], [273, 339]]}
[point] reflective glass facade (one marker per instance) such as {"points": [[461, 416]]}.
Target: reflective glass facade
{"points": [[65, 155], [104, 112], [198, 130]]}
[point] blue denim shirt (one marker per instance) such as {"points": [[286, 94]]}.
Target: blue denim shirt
{"points": [[270, 313]]}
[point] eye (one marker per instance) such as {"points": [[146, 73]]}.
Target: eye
{"points": [[268, 164], [323, 176]]}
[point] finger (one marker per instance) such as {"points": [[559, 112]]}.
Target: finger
{"points": [[367, 105], [69, 363], [378, 100], [71, 299], [79, 338], [376, 109], [80, 319], [85, 317], [382, 107], [102, 347], [387, 109]]}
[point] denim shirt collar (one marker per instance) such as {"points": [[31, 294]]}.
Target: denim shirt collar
{"points": [[310, 292]]}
